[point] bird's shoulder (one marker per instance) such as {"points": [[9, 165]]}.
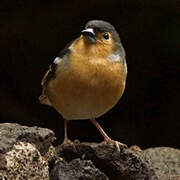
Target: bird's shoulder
{"points": [[51, 73]]}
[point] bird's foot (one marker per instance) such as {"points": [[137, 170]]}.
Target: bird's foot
{"points": [[67, 141], [116, 143]]}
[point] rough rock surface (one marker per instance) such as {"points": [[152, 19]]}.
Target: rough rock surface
{"points": [[75, 170], [27, 153], [24, 161], [12, 133], [165, 160], [125, 165]]}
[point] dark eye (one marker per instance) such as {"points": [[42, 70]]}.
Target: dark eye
{"points": [[106, 36]]}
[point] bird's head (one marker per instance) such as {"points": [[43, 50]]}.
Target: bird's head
{"points": [[99, 38]]}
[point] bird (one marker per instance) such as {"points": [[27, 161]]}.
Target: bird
{"points": [[88, 77]]}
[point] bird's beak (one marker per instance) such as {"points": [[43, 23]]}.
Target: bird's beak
{"points": [[89, 35]]}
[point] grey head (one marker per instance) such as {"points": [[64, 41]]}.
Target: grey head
{"points": [[100, 26]]}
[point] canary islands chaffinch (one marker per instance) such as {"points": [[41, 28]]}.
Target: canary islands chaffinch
{"points": [[88, 77]]}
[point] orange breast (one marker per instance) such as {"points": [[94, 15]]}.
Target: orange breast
{"points": [[86, 87]]}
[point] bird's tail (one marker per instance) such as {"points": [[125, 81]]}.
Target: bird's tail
{"points": [[44, 100]]}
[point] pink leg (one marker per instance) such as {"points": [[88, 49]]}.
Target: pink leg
{"points": [[107, 139], [66, 140]]}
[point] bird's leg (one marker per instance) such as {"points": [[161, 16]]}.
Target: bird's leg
{"points": [[107, 139], [66, 140]]}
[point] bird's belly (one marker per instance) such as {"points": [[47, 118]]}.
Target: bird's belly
{"points": [[85, 102], [85, 95]]}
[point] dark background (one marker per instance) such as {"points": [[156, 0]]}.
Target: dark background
{"points": [[33, 32]]}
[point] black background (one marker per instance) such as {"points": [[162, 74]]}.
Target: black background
{"points": [[33, 32]]}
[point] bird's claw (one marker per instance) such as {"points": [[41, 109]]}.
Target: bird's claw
{"points": [[116, 143], [67, 142]]}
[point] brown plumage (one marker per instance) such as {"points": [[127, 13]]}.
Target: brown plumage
{"points": [[88, 78]]}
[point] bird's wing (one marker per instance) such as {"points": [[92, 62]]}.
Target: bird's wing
{"points": [[51, 74]]}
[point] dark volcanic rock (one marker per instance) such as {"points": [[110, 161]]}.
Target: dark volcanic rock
{"points": [[126, 165], [24, 161], [25, 152], [28, 153], [76, 170], [13, 133]]}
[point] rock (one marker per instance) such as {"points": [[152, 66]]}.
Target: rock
{"points": [[28, 153], [126, 165], [12, 133], [24, 161], [165, 160], [25, 152], [76, 170]]}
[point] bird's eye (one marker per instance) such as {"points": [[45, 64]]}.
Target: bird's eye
{"points": [[106, 36]]}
